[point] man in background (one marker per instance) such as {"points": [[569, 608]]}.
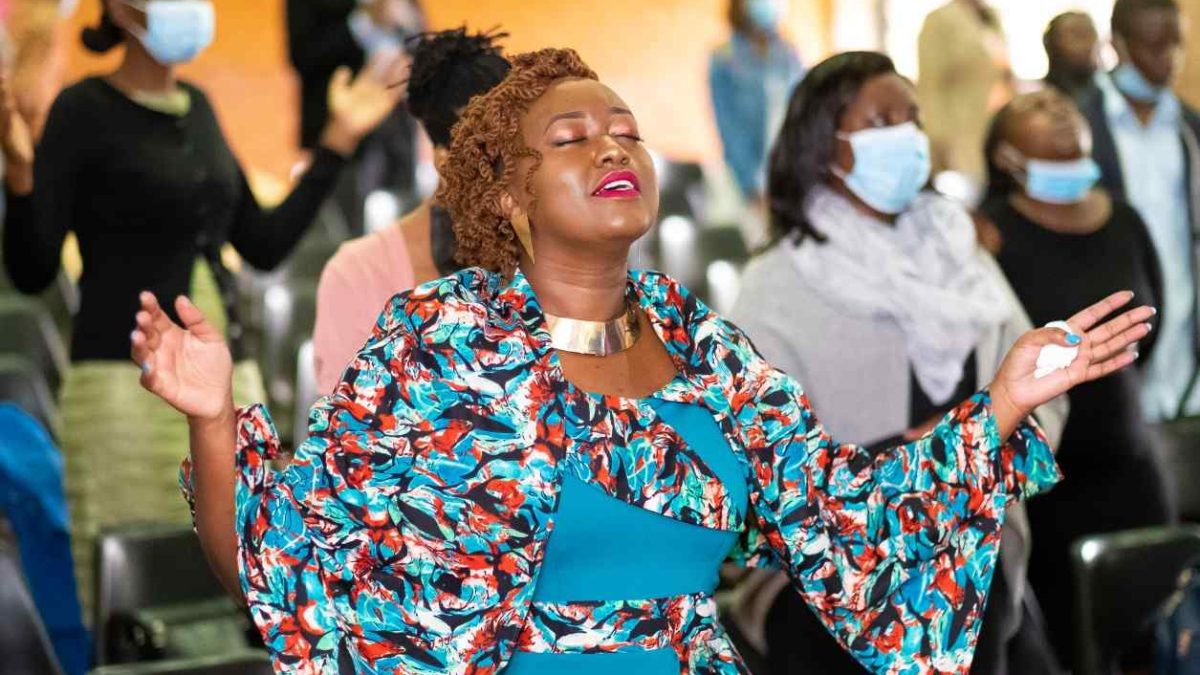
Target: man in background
{"points": [[1073, 53], [1147, 143], [965, 76]]}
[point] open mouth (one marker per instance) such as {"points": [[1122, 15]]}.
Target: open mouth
{"points": [[618, 184]]}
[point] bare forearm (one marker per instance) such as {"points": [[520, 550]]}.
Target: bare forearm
{"points": [[213, 471], [1008, 415]]}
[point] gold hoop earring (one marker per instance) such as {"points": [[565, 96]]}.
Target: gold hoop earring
{"points": [[520, 225]]}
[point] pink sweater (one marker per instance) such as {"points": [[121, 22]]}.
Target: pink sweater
{"points": [[355, 286]]}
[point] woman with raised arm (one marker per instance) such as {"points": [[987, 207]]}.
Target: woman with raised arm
{"points": [[136, 165], [876, 295], [536, 465]]}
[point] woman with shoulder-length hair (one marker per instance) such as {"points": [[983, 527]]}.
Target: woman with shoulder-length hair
{"points": [[1065, 237], [877, 297], [537, 465], [135, 163]]}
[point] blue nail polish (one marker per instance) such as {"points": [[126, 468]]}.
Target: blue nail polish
{"points": [[1073, 339], [146, 367]]}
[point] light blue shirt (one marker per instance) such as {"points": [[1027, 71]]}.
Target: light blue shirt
{"points": [[1153, 165], [749, 96]]}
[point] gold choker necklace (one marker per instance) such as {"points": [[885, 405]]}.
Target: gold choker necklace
{"points": [[595, 338]]}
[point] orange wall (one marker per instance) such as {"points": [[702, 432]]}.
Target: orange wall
{"points": [[652, 52], [245, 74]]}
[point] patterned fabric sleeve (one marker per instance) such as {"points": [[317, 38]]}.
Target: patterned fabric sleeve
{"points": [[307, 534], [277, 563], [257, 445], [893, 550]]}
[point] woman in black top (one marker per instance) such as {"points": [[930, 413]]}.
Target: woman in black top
{"points": [[136, 165], [1065, 239]]}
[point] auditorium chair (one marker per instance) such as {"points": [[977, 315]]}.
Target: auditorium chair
{"points": [[24, 384], [24, 645], [30, 331], [289, 314], [1121, 582], [306, 391], [157, 598]]}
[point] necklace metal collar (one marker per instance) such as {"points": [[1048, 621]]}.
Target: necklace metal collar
{"points": [[595, 338]]}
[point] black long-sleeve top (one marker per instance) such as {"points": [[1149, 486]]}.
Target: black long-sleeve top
{"points": [[1054, 274], [145, 193], [319, 42]]}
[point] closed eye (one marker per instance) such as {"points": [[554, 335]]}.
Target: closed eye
{"points": [[632, 137], [568, 141]]}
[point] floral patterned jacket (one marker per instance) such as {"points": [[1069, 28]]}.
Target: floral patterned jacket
{"points": [[406, 534]]}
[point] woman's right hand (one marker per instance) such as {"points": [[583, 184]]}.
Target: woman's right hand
{"points": [[190, 367], [16, 141]]}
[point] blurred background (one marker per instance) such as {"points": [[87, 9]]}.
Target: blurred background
{"points": [[150, 604]]}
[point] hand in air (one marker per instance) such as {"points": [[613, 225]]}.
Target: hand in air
{"points": [[16, 140], [189, 367], [1104, 348], [357, 105]]}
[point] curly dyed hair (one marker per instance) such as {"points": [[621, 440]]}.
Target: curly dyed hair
{"points": [[484, 148]]}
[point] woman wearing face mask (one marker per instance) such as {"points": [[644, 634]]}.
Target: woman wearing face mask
{"points": [[537, 464], [749, 77], [876, 296], [136, 165], [1064, 239]]}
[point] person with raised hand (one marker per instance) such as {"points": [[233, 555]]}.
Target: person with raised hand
{"points": [[136, 165], [878, 296], [537, 464]]}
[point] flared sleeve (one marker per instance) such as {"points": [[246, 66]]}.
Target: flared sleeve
{"points": [[893, 549], [309, 535]]}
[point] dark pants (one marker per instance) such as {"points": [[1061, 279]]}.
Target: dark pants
{"points": [[1105, 494]]}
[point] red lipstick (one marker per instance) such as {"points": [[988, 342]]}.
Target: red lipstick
{"points": [[622, 184]]}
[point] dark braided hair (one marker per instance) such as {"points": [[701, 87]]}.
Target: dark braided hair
{"points": [[103, 36], [448, 68]]}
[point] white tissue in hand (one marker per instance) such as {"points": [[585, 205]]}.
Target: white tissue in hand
{"points": [[1055, 357]]}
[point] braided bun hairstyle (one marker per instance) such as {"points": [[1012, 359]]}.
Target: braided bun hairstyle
{"points": [[484, 148], [448, 68]]}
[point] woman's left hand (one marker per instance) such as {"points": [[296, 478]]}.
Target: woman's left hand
{"points": [[357, 105], [1104, 348]]}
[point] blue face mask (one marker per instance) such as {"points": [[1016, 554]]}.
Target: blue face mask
{"points": [[763, 14], [176, 30], [1130, 81], [891, 165], [1060, 182]]}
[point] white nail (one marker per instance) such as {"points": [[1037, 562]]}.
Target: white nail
{"points": [[145, 367]]}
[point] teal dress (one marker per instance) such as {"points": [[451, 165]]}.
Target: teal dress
{"points": [[603, 549]]}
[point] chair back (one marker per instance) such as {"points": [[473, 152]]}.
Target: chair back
{"points": [[1121, 582], [23, 383], [146, 566], [24, 645]]}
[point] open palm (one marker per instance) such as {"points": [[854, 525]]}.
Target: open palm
{"points": [[358, 105], [1104, 348], [189, 367]]}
